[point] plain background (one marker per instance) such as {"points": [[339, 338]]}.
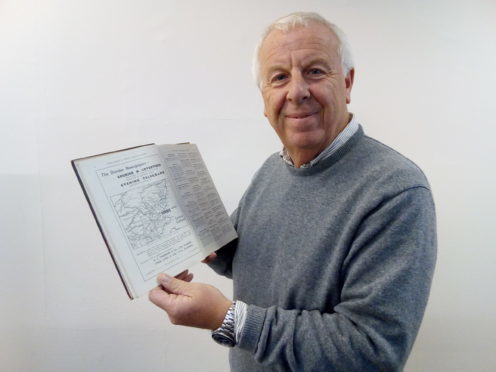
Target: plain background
{"points": [[84, 77]]}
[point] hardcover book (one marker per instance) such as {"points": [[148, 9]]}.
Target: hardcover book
{"points": [[157, 209]]}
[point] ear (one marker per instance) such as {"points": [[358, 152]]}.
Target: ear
{"points": [[348, 80]]}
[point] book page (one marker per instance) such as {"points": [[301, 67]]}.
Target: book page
{"points": [[133, 199], [197, 195]]}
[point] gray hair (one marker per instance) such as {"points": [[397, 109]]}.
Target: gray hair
{"points": [[304, 19]]}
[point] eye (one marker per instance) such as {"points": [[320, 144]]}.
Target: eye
{"points": [[279, 78], [315, 72]]}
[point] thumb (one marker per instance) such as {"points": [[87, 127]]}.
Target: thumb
{"points": [[172, 285]]}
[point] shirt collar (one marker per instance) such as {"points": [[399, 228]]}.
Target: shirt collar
{"points": [[339, 141]]}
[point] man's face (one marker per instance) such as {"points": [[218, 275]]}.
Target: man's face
{"points": [[304, 90]]}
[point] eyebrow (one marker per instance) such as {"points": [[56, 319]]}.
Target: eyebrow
{"points": [[274, 68], [319, 61], [314, 61]]}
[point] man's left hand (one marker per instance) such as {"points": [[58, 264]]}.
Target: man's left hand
{"points": [[190, 304]]}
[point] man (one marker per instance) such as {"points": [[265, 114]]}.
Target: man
{"points": [[337, 241]]}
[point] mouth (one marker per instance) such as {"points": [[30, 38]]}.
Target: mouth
{"points": [[300, 115]]}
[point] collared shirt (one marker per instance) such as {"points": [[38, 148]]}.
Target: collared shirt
{"points": [[339, 141]]}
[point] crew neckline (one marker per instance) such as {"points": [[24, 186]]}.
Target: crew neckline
{"points": [[327, 162]]}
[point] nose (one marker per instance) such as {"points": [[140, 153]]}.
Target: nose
{"points": [[298, 89]]}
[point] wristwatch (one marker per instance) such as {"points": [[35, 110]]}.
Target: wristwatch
{"points": [[225, 334]]}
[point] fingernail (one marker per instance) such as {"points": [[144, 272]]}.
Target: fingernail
{"points": [[164, 278]]}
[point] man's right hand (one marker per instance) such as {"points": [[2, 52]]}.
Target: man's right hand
{"points": [[190, 304]]}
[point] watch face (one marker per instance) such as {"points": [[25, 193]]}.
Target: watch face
{"points": [[223, 340]]}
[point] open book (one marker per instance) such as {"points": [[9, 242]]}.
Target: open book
{"points": [[157, 209]]}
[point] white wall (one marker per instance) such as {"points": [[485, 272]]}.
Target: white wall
{"points": [[83, 77]]}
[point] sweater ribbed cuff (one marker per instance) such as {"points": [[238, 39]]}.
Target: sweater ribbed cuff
{"points": [[252, 328]]}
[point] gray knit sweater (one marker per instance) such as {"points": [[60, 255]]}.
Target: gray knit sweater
{"points": [[335, 262]]}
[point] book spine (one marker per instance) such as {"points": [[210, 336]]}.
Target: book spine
{"points": [[128, 290]]}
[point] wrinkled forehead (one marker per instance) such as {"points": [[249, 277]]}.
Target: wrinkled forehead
{"points": [[314, 36]]}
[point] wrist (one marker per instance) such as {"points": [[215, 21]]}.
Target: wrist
{"points": [[225, 334], [221, 314]]}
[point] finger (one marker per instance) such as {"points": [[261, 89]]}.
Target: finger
{"points": [[159, 297], [172, 285], [185, 276], [212, 256], [182, 275]]}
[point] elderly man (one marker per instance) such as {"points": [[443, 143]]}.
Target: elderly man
{"points": [[337, 240]]}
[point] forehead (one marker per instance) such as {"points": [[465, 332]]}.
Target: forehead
{"points": [[313, 40]]}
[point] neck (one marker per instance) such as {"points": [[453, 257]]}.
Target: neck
{"points": [[304, 156]]}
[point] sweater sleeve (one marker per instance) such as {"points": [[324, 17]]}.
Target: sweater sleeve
{"points": [[386, 279]]}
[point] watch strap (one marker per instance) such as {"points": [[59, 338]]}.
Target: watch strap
{"points": [[226, 334]]}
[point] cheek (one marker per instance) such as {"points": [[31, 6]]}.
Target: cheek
{"points": [[329, 99], [268, 109], [274, 104], [324, 94]]}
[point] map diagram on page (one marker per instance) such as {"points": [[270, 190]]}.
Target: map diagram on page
{"points": [[146, 214]]}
